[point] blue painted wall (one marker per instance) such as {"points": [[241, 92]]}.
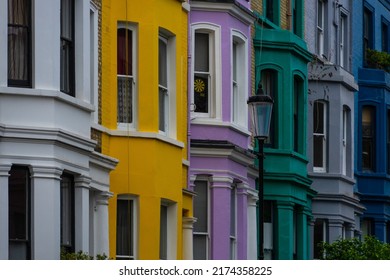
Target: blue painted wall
{"points": [[374, 89]]}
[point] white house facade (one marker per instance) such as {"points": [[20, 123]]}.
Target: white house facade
{"points": [[54, 186]]}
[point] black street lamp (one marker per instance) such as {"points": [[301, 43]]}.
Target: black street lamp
{"points": [[260, 108]]}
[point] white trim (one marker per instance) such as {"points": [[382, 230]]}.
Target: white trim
{"points": [[94, 76], [239, 109], [134, 31], [139, 134], [233, 238], [323, 168], [215, 101], [171, 228], [344, 142], [320, 30], [170, 106], [135, 222]]}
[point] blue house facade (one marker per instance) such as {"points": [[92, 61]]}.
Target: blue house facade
{"points": [[371, 26]]}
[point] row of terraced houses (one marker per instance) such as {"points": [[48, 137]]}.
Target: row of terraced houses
{"points": [[124, 127]]}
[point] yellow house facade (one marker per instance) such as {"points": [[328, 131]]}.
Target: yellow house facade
{"points": [[144, 117]]}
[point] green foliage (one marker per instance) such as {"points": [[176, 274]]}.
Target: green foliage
{"points": [[80, 256], [378, 60], [354, 249]]}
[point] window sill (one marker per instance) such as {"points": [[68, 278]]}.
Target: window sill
{"points": [[138, 134], [218, 122], [29, 92]]}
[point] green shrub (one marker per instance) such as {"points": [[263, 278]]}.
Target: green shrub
{"points": [[378, 60], [354, 249], [80, 256]]}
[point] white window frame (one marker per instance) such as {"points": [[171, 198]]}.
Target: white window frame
{"points": [[215, 78], [240, 75], [344, 46], [344, 141], [94, 76], [132, 125], [170, 117], [207, 232], [321, 5], [165, 91], [171, 226], [321, 169], [134, 199]]}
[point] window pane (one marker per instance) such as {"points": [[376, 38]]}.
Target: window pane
{"points": [[200, 206], [162, 63], [162, 95], [67, 212], [65, 66], [125, 100], [124, 228], [19, 48], [18, 203], [319, 236], [320, 14], [163, 231], [318, 120], [318, 150], [235, 62], [270, 10], [125, 52], [67, 47], [233, 212], [67, 19], [18, 52], [18, 213], [202, 52], [368, 113], [201, 92], [200, 247]]}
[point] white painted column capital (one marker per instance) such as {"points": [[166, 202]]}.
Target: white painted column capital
{"points": [[101, 227], [188, 226], [82, 213], [46, 213]]}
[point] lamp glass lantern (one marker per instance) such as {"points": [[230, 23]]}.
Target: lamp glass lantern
{"points": [[260, 108]]}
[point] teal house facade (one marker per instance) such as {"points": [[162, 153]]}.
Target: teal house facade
{"points": [[281, 59]]}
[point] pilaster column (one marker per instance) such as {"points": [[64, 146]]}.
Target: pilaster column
{"points": [[81, 198], [101, 227], [302, 234], [188, 226], [380, 229], [4, 237], [335, 229], [310, 225], [242, 221], [220, 217], [46, 213], [191, 187], [285, 230], [349, 231], [252, 229]]}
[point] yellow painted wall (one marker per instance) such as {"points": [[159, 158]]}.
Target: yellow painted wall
{"points": [[149, 167]]}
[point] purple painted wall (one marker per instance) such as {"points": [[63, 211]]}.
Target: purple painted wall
{"points": [[223, 170]]}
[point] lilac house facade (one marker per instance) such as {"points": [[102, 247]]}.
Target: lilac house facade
{"points": [[222, 175]]}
